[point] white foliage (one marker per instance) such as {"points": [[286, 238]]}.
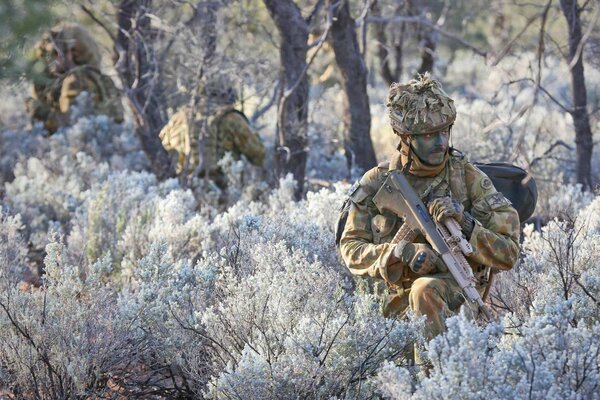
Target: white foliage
{"points": [[290, 329], [549, 358], [62, 339], [13, 252]]}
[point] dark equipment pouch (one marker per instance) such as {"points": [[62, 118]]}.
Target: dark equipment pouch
{"points": [[515, 184]]}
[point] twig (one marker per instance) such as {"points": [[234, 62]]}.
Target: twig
{"points": [[584, 39], [363, 30], [541, 44], [429, 24], [497, 58], [550, 96], [91, 14], [552, 147], [314, 11], [260, 112]]}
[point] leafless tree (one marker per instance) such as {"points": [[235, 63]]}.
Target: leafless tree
{"points": [[357, 116], [426, 35], [139, 73], [389, 45], [579, 111], [292, 150]]}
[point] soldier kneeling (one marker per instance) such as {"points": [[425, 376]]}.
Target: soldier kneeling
{"points": [[422, 114], [68, 63]]}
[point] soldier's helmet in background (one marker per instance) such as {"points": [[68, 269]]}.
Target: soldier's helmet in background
{"points": [[68, 38], [419, 107], [218, 89]]}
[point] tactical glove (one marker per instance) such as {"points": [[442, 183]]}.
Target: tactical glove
{"points": [[448, 207], [419, 257], [36, 109]]}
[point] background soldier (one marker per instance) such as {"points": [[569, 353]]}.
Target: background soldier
{"points": [[422, 114], [68, 63], [202, 134]]}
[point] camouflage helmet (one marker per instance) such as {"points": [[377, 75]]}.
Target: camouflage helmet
{"points": [[218, 88], [68, 36], [419, 107]]}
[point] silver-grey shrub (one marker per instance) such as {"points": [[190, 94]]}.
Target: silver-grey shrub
{"points": [[67, 338], [52, 176], [291, 329]]}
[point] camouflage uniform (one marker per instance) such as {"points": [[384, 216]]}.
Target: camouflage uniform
{"points": [[227, 130], [365, 242], [55, 90]]}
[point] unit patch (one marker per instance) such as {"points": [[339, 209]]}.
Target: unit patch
{"points": [[486, 183], [497, 200]]}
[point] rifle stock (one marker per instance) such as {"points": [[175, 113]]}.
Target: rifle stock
{"points": [[398, 196]]}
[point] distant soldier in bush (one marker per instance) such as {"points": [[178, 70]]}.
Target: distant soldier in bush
{"points": [[201, 135], [67, 64], [422, 114]]}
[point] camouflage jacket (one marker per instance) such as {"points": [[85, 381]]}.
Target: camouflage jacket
{"points": [[51, 102], [228, 131], [365, 241]]}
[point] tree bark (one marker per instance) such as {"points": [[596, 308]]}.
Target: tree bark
{"points": [[139, 73], [426, 37], [427, 52], [357, 115], [291, 151], [581, 119], [388, 74]]}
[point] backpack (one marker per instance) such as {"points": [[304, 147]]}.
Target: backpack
{"points": [[513, 182], [109, 102]]}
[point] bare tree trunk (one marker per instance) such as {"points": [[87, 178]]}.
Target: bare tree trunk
{"points": [[581, 119], [426, 37], [357, 115], [138, 69], [384, 54], [292, 152], [427, 52]]}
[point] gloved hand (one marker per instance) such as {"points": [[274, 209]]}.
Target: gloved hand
{"points": [[448, 207], [36, 109], [419, 257]]}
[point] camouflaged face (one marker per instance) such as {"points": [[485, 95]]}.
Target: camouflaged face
{"points": [[69, 36], [218, 89], [419, 107]]}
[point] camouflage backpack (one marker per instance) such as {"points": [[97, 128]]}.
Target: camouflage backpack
{"points": [[195, 138]]}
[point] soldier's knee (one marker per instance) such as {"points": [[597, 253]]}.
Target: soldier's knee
{"points": [[424, 291]]}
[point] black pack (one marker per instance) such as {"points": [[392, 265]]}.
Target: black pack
{"points": [[515, 184]]}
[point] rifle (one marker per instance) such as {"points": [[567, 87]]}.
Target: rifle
{"points": [[397, 196]]}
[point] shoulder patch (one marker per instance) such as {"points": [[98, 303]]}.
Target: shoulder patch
{"points": [[358, 194], [486, 183], [497, 200]]}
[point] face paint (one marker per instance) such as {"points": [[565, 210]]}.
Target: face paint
{"points": [[431, 148]]}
